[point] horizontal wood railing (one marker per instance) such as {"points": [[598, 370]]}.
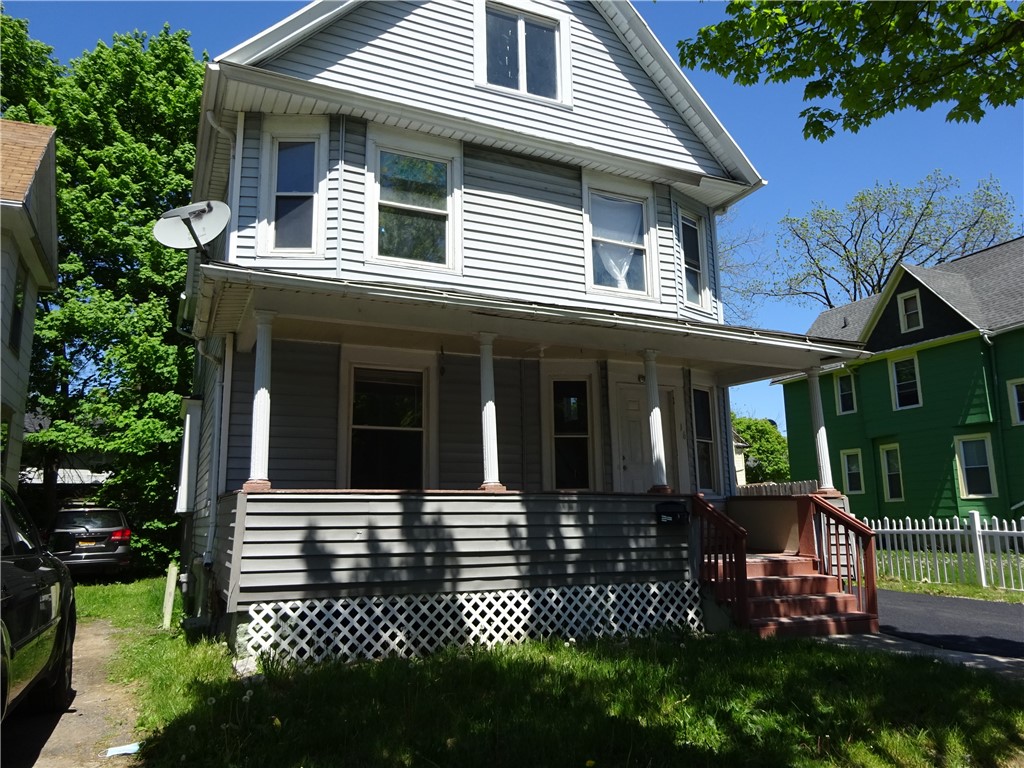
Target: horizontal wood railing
{"points": [[846, 549], [723, 566]]}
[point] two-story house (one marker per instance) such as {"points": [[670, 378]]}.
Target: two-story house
{"points": [[28, 243], [932, 423], [464, 320]]}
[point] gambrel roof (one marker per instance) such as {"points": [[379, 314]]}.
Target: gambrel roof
{"points": [[986, 288], [250, 77]]}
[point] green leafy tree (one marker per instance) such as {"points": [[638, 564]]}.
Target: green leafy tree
{"points": [[865, 60], [768, 456], [831, 257], [28, 73], [109, 367]]}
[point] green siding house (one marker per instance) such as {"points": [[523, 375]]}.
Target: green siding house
{"points": [[931, 423]]}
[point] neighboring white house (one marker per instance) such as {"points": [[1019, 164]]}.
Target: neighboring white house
{"points": [[465, 318], [28, 242]]}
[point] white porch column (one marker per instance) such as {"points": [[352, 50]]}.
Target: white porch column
{"points": [[820, 435], [488, 415], [654, 417], [259, 458]]}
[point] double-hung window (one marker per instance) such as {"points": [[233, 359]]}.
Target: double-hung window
{"points": [[974, 466], [693, 260], [621, 243], [414, 209], [910, 311], [846, 397], [387, 440], [1015, 390], [523, 50], [704, 440], [892, 472], [853, 474], [906, 386], [16, 326], [571, 434], [295, 158]]}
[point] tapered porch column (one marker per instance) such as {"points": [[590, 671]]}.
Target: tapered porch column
{"points": [[488, 415], [654, 417], [259, 457], [820, 435]]}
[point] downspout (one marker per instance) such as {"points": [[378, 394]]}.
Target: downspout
{"points": [[999, 435], [220, 129]]}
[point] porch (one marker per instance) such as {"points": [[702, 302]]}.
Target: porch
{"points": [[311, 575]]}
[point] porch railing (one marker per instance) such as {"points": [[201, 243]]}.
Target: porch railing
{"points": [[723, 564], [845, 548]]}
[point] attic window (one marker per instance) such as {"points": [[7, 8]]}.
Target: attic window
{"points": [[522, 50], [910, 311]]}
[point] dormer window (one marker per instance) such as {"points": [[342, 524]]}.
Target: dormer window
{"points": [[910, 311], [523, 49]]}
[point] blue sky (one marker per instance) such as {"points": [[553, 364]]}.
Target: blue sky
{"points": [[902, 148]]}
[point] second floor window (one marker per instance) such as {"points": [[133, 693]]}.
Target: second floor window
{"points": [[17, 309], [618, 242], [846, 400], [905, 383], [294, 194], [294, 187], [522, 52], [413, 212], [693, 262]]}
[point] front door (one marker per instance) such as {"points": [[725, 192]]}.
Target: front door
{"points": [[633, 468]]}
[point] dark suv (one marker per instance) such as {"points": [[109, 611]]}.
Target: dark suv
{"points": [[37, 620], [92, 539]]}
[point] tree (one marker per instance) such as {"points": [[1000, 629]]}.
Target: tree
{"points": [[28, 73], [869, 59], [109, 367], [768, 455], [831, 257]]}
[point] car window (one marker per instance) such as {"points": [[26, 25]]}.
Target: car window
{"points": [[89, 518], [22, 539]]}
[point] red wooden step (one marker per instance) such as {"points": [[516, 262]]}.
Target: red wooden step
{"points": [[779, 565], [816, 626], [803, 584], [801, 605]]}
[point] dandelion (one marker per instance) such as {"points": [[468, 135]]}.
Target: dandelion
{"points": [[211, 701], [275, 721], [590, 763]]}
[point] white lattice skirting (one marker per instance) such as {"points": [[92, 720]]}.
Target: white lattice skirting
{"points": [[411, 625]]}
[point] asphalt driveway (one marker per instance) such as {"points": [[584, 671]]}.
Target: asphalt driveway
{"points": [[954, 623]]}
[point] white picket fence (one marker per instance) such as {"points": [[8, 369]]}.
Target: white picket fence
{"points": [[951, 550]]}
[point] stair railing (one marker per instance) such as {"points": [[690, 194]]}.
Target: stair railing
{"points": [[723, 564], [845, 548]]}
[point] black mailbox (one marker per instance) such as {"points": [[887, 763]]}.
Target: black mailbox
{"points": [[671, 513]]}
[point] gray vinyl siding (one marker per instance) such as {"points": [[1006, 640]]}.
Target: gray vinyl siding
{"points": [[517, 385], [248, 189], [422, 55], [304, 415], [364, 544], [353, 199], [239, 437]]}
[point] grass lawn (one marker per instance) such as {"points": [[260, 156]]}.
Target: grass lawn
{"points": [[670, 700], [974, 591]]}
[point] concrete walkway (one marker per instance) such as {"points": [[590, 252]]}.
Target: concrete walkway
{"points": [[1008, 667]]}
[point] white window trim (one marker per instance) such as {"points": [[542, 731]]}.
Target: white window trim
{"points": [[353, 357], [885, 474], [276, 128], [892, 383], [563, 38], [846, 475], [716, 438], [418, 145], [958, 442], [1011, 387], [631, 190], [901, 300], [853, 391], [569, 371], [702, 244]]}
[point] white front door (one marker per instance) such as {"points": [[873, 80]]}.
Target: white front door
{"points": [[633, 453]]}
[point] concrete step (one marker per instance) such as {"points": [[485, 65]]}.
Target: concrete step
{"points": [[776, 606], [816, 626]]}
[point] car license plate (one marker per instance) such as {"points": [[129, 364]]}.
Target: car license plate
{"points": [[87, 543]]}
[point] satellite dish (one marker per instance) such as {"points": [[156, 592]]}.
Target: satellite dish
{"points": [[192, 226]]}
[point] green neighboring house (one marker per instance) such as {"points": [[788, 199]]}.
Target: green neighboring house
{"points": [[932, 422]]}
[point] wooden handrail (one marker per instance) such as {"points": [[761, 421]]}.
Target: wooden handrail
{"points": [[723, 544], [835, 557]]}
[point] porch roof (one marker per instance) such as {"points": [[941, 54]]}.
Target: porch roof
{"points": [[387, 315]]}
